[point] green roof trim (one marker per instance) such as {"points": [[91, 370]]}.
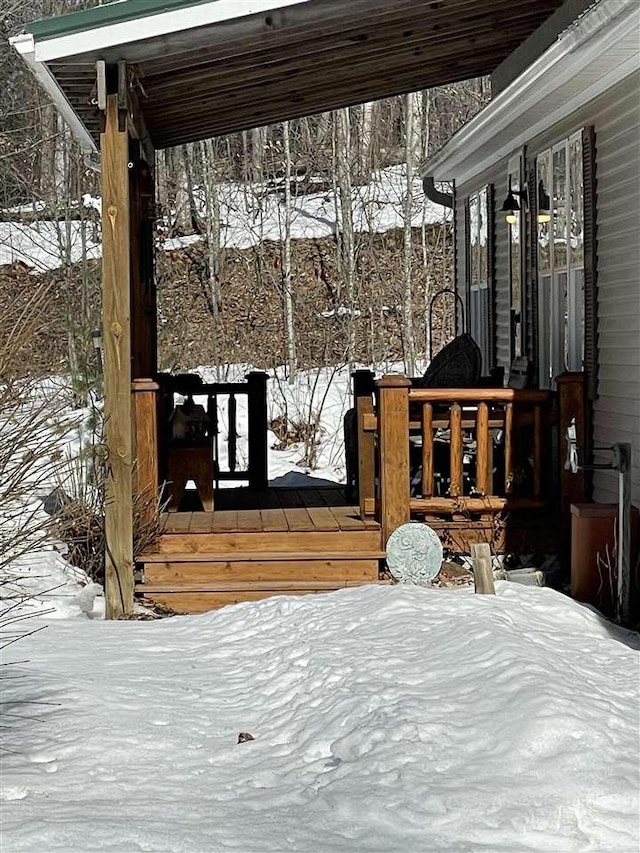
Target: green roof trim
{"points": [[102, 16]]}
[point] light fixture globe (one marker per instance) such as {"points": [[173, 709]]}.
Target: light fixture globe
{"points": [[544, 204], [511, 205]]}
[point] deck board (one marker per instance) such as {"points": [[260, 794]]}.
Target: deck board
{"points": [[201, 522], [347, 519], [224, 521], [298, 519], [272, 510], [273, 520], [180, 522], [323, 518], [249, 521], [290, 498]]}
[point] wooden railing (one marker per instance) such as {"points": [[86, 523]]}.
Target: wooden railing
{"points": [[479, 423], [452, 452], [154, 445]]}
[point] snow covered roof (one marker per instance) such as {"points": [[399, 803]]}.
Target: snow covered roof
{"points": [[202, 68]]}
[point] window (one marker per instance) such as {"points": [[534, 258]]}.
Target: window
{"points": [[561, 261], [478, 272], [516, 242]]}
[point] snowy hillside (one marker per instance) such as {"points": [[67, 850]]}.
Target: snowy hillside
{"points": [[249, 214]]}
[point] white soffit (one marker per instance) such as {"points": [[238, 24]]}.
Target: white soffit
{"points": [[25, 46], [158, 24], [599, 50]]}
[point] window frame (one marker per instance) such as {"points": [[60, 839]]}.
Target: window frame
{"points": [[479, 277], [517, 237], [561, 277]]}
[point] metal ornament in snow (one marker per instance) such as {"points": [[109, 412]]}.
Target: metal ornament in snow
{"points": [[414, 553]]}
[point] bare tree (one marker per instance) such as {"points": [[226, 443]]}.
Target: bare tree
{"points": [[212, 230], [286, 260], [407, 310], [347, 240]]}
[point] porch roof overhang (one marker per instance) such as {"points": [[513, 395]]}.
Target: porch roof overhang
{"points": [[600, 49], [204, 68]]}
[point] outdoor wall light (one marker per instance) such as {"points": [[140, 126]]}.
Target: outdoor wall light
{"points": [[544, 204], [511, 205]]}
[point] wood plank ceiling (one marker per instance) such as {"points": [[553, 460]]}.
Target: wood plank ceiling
{"points": [[302, 60]]}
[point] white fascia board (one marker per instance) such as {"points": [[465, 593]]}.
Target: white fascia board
{"points": [[486, 139], [152, 26], [25, 46]]}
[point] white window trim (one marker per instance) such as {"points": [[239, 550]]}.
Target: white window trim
{"points": [[550, 319]]}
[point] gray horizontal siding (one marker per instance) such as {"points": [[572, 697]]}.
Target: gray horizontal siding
{"points": [[616, 118], [617, 408]]}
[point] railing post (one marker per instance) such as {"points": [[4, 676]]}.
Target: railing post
{"points": [[427, 450], [258, 424], [393, 438], [508, 449], [483, 468], [571, 406], [363, 388], [145, 413], [456, 457], [537, 451]]}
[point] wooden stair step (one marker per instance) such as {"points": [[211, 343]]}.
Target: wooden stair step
{"points": [[247, 586], [181, 601], [352, 541], [260, 556], [291, 570]]}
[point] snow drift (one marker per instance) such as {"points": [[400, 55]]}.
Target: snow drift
{"points": [[385, 719]]}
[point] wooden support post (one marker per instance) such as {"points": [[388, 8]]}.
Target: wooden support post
{"points": [[363, 388], [139, 369], [508, 449], [482, 570], [483, 472], [571, 406], [114, 146], [537, 451], [232, 440], [455, 455], [393, 426], [366, 457], [427, 450], [145, 406], [258, 425]]}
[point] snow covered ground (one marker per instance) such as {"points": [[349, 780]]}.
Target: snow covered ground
{"points": [[46, 245], [384, 719]]}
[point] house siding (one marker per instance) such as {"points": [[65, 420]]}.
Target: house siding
{"points": [[616, 409]]}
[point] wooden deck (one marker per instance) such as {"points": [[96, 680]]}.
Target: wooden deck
{"points": [[278, 541]]}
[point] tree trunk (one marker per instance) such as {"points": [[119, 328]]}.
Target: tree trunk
{"points": [[258, 140], [181, 196], [424, 153], [212, 228], [365, 140], [407, 312], [286, 261], [343, 162]]}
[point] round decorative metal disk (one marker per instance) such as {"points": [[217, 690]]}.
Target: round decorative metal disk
{"points": [[414, 553]]}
